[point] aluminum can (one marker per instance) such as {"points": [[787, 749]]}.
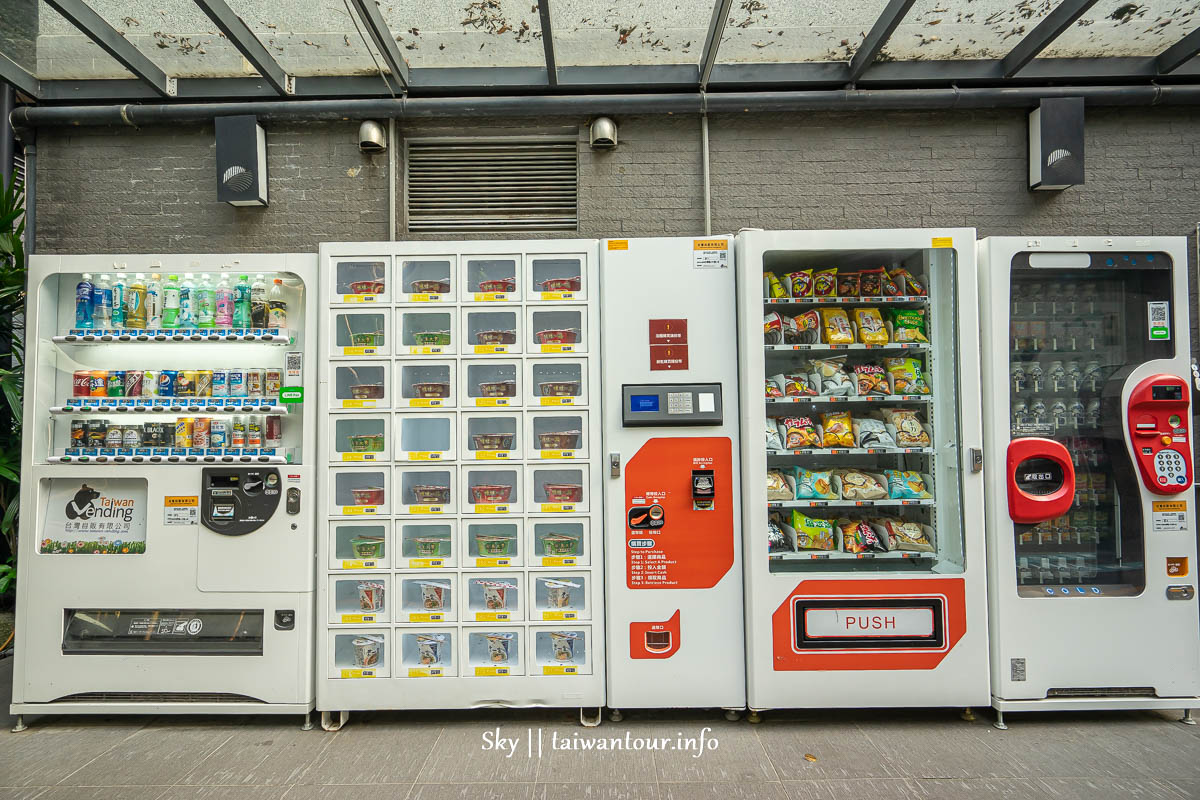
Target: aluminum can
{"points": [[79, 433], [220, 383], [114, 436], [272, 382], [237, 436], [98, 385], [132, 436], [254, 382], [254, 431], [218, 433], [167, 379], [81, 383], [237, 383], [183, 432], [149, 383], [273, 432], [133, 382], [116, 383], [97, 430], [200, 432], [204, 383], [185, 384]]}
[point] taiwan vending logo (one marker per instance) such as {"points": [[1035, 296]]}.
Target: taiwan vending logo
{"points": [[99, 517]]}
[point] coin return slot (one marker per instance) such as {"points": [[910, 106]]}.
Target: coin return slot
{"points": [[658, 641], [223, 512]]}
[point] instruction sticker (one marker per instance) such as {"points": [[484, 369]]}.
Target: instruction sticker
{"points": [[618, 244], [710, 254], [942, 241], [181, 510], [1158, 318], [1170, 516]]}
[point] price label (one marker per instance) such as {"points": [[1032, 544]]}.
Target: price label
{"points": [[358, 404], [557, 295], [359, 298], [426, 563], [491, 509], [426, 349], [492, 562], [424, 402], [559, 453], [559, 669], [359, 564], [359, 456], [425, 298], [353, 511], [425, 672], [492, 616], [491, 348], [424, 617], [359, 351], [490, 297], [560, 615], [493, 401], [358, 618], [558, 561], [492, 455], [424, 455], [556, 508], [358, 673], [558, 401], [425, 509], [558, 348], [482, 671]]}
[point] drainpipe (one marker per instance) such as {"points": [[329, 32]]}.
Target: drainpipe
{"points": [[391, 179], [7, 141], [707, 180]]}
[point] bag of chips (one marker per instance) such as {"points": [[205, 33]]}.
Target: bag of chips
{"points": [[800, 283], [773, 328], [859, 537], [847, 284], [778, 487], [772, 389], [871, 380], [908, 324], [825, 283], [777, 542], [808, 328], [836, 430], [906, 485], [906, 375], [774, 437], [871, 283], [903, 535], [812, 534], [890, 287], [771, 285], [837, 326], [800, 385], [798, 433], [858, 485], [831, 377], [812, 485], [870, 326], [908, 284], [872, 433], [909, 430]]}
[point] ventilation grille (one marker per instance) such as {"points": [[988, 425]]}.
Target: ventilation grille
{"points": [[1104, 691], [494, 185], [157, 697]]}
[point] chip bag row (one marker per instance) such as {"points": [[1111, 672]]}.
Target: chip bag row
{"points": [[895, 281], [801, 483], [799, 532]]}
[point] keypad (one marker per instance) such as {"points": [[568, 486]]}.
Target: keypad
{"points": [[1170, 467]]}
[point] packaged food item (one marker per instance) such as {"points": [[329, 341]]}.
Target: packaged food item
{"points": [[774, 438], [908, 324], [773, 328], [807, 328], [778, 487], [871, 282], [859, 537], [906, 375], [903, 535], [812, 534], [799, 386], [798, 432], [859, 485], [836, 429], [906, 485], [825, 283], [872, 433], [890, 287], [848, 284], [870, 326], [837, 326], [831, 377], [772, 389], [907, 283], [791, 331], [871, 380], [800, 283], [909, 430], [777, 541], [812, 485], [771, 285]]}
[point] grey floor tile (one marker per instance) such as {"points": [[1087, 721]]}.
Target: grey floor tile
{"points": [[981, 788], [839, 750], [1098, 789], [460, 757], [1157, 749], [225, 793], [103, 793], [596, 791], [604, 762], [939, 748], [1048, 749], [22, 793], [472, 791], [1189, 789], [741, 790], [737, 757], [23, 756], [380, 751], [858, 789], [377, 791], [150, 756], [269, 753]]}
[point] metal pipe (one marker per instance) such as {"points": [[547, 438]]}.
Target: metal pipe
{"points": [[137, 115], [391, 180], [7, 143], [30, 197], [707, 175]]}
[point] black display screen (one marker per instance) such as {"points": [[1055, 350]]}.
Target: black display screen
{"points": [[1166, 392]]}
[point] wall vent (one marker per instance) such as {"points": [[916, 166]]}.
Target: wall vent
{"points": [[501, 184]]}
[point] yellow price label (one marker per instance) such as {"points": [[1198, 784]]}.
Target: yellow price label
{"points": [[426, 349], [493, 401], [491, 297], [426, 617], [559, 669], [353, 511], [359, 351], [358, 673], [358, 618], [424, 455], [359, 298], [492, 455], [559, 453], [482, 671], [491, 348], [426, 402], [557, 295], [425, 297], [425, 672], [488, 508], [492, 562], [558, 348], [359, 564], [425, 509], [560, 615], [558, 561], [556, 508], [942, 241], [359, 456], [492, 616], [558, 401], [426, 563], [358, 404]]}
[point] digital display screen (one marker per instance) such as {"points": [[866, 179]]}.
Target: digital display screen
{"points": [[1167, 392], [643, 402], [224, 481]]}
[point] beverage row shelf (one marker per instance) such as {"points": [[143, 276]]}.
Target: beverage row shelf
{"points": [[176, 335], [173, 455], [158, 405]]}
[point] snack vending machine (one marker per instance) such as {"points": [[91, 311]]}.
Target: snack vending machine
{"points": [[1091, 529], [167, 502], [672, 498], [861, 437], [459, 550]]}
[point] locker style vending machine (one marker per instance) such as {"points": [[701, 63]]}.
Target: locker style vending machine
{"points": [[861, 437], [459, 551], [1091, 524], [167, 506], [672, 495]]}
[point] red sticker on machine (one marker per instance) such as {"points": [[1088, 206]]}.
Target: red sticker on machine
{"points": [[668, 356]]}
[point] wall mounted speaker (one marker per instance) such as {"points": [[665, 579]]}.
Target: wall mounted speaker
{"points": [[1056, 143], [241, 161]]}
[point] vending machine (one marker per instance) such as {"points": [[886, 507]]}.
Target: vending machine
{"points": [[861, 464], [459, 550], [1091, 530], [167, 502], [672, 490]]}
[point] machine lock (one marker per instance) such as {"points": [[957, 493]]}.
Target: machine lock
{"points": [[704, 489]]}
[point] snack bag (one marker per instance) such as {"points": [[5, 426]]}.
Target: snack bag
{"points": [[870, 326], [825, 283], [772, 389], [906, 375], [773, 328], [909, 430], [908, 324], [808, 325], [859, 537], [791, 331], [777, 542], [890, 287], [872, 433], [771, 285], [858, 485], [871, 379], [774, 437], [905, 535], [798, 433], [799, 386], [812, 534], [778, 487], [848, 284], [837, 326], [836, 430], [908, 284], [906, 485], [815, 485], [832, 380], [871, 282], [800, 283]]}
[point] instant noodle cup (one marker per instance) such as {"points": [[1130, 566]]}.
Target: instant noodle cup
{"points": [[366, 287], [560, 544], [432, 389], [429, 287], [498, 647], [500, 285], [564, 492], [493, 441], [557, 336], [491, 493], [430, 546], [508, 336], [366, 391], [825, 283], [800, 283], [498, 389], [432, 338], [429, 647], [837, 429], [434, 595], [367, 496], [495, 594], [837, 326], [370, 595], [559, 440], [562, 284], [366, 650], [491, 545], [870, 326], [367, 339], [431, 494], [559, 388], [366, 443], [367, 546], [558, 592], [563, 644]]}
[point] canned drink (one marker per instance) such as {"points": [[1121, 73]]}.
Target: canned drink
{"points": [[185, 384], [114, 436], [98, 383], [183, 432], [79, 433], [200, 432], [149, 383], [134, 379], [237, 436], [167, 379], [81, 383], [254, 382], [218, 433], [273, 433], [272, 382], [204, 382], [116, 383], [133, 436], [237, 383], [97, 430], [220, 383], [254, 431]]}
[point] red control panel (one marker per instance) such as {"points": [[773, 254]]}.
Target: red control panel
{"points": [[1041, 480], [1159, 433]]}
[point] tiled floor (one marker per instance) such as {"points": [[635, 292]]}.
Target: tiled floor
{"points": [[858, 755]]}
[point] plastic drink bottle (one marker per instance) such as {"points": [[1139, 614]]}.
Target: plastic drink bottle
{"points": [[276, 306], [223, 314], [135, 303], [154, 301], [102, 304], [118, 304], [241, 303], [205, 303], [83, 301], [186, 317], [258, 302], [171, 302]]}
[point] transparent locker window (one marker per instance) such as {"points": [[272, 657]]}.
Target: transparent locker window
{"points": [[361, 595], [494, 649], [493, 594], [556, 274], [423, 540], [357, 487], [426, 329], [426, 487], [491, 328], [558, 485], [491, 275], [492, 487], [557, 431], [359, 542], [494, 540], [357, 434], [361, 650], [360, 277], [559, 540], [423, 433], [1074, 337], [360, 382], [563, 327], [426, 381], [555, 595], [487, 434], [495, 380], [428, 594], [557, 380], [432, 650], [884, 492], [359, 330], [421, 276], [560, 648]]}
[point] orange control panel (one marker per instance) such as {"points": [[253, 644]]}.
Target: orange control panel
{"points": [[1159, 434]]}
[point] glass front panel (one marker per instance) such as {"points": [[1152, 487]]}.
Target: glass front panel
{"points": [[159, 632]]}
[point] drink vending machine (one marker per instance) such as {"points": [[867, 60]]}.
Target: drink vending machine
{"points": [[861, 437], [1092, 533], [166, 494], [459, 550], [672, 496]]}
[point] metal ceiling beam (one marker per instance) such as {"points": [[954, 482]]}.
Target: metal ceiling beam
{"points": [[368, 12], [712, 42], [548, 42], [1179, 53], [236, 30], [880, 32], [15, 75], [95, 28], [1064, 15]]}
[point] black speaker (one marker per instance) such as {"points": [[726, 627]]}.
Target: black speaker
{"points": [[1056, 143], [241, 161]]}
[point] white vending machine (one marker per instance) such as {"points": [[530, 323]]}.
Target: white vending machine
{"points": [[671, 485], [861, 465], [459, 551], [167, 502], [1091, 527]]}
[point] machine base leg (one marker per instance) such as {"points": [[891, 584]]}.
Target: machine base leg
{"points": [[733, 714], [968, 715], [20, 726], [999, 723], [615, 715], [331, 723], [1186, 719], [308, 723], [591, 722], [754, 717]]}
